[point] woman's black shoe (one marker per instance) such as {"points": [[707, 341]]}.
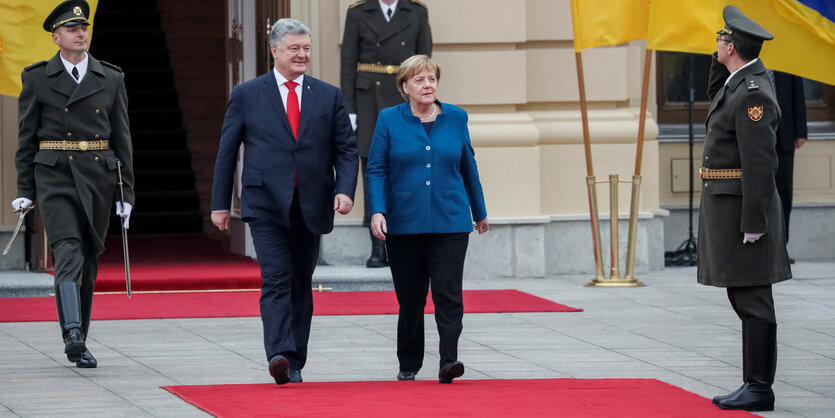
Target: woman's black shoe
{"points": [[406, 376]]}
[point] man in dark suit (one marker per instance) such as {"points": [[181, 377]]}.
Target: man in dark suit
{"points": [[791, 135], [379, 35], [74, 131], [742, 240], [296, 133]]}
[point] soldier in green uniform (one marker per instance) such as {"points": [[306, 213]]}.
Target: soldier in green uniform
{"points": [[73, 133], [379, 35], [742, 239]]}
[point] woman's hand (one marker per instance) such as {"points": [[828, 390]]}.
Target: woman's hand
{"points": [[378, 226], [482, 226]]}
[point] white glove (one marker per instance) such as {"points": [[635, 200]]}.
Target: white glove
{"points": [[21, 203], [353, 117], [123, 210], [750, 237]]}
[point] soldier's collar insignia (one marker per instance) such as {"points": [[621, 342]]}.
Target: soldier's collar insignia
{"points": [[755, 113], [753, 85]]}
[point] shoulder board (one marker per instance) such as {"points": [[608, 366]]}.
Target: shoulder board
{"points": [[115, 67], [752, 85], [35, 65], [356, 3], [420, 3]]}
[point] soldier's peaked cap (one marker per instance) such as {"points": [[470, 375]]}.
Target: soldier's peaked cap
{"points": [[68, 13], [742, 28]]}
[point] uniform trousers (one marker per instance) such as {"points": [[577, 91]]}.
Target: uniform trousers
{"points": [[418, 260], [287, 256], [76, 267], [753, 302]]}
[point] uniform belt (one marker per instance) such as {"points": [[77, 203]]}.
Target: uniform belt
{"points": [[378, 68], [75, 145], [718, 174]]}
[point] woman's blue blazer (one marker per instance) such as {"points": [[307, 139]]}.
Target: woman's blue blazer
{"points": [[424, 183]]}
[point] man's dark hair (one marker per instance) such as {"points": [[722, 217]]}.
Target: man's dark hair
{"points": [[746, 50]]}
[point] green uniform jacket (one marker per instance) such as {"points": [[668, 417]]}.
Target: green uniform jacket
{"points": [[75, 190], [741, 133], [369, 39]]}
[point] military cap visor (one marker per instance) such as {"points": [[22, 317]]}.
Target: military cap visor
{"points": [[742, 27], [68, 13]]}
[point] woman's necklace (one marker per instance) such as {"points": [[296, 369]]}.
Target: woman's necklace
{"points": [[434, 109]]}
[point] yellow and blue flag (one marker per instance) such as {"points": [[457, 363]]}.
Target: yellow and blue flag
{"points": [[608, 22], [23, 40], [804, 31]]}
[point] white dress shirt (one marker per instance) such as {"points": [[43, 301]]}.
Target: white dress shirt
{"points": [[385, 8], [81, 67], [282, 88]]}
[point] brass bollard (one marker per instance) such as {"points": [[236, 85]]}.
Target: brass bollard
{"points": [[615, 280]]}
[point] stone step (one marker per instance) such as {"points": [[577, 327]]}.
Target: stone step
{"points": [[332, 278]]}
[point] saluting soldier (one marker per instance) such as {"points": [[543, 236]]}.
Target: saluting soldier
{"points": [[379, 35], [742, 239], [73, 132]]}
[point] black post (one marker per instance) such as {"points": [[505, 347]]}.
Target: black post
{"points": [[687, 254]]}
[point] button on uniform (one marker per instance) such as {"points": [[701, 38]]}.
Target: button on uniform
{"points": [[428, 148], [428, 165], [428, 182]]}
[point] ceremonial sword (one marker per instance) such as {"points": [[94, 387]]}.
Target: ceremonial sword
{"points": [[124, 231], [22, 212]]}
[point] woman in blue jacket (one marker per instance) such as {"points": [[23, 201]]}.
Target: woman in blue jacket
{"points": [[422, 184]]}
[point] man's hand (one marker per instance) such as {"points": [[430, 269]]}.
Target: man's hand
{"points": [[750, 237], [123, 210], [221, 219], [799, 142], [21, 203], [378, 226], [353, 117], [342, 204]]}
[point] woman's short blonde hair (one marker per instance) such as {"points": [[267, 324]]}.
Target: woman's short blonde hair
{"points": [[411, 67]]}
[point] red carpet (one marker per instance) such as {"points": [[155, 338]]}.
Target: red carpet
{"points": [[175, 263], [245, 303], [622, 398]]}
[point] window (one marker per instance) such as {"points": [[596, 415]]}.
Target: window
{"points": [[674, 70]]}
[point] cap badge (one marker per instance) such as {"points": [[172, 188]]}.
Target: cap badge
{"points": [[77, 11], [755, 113]]}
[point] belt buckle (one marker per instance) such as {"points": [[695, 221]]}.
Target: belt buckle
{"points": [[82, 145], [389, 69], [702, 171]]}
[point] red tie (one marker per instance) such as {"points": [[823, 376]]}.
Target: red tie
{"points": [[293, 108]]}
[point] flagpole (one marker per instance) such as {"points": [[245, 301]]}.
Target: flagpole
{"points": [[590, 181], [634, 207]]}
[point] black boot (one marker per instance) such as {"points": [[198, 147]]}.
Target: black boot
{"points": [[66, 297], [760, 362], [378, 258], [720, 398], [86, 361]]}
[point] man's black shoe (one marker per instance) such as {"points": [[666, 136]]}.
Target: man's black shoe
{"points": [[87, 361], [720, 398], [450, 371], [753, 398], [74, 344], [406, 376], [295, 376], [278, 369]]}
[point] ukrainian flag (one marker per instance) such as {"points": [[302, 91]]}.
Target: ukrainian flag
{"points": [[804, 31], [608, 22], [23, 40]]}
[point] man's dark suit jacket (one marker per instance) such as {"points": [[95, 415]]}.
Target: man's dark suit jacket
{"points": [[324, 157], [792, 103]]}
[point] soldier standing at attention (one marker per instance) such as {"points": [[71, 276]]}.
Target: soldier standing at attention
{"points": [[742, 236], [379, 35], [73, 133]]}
